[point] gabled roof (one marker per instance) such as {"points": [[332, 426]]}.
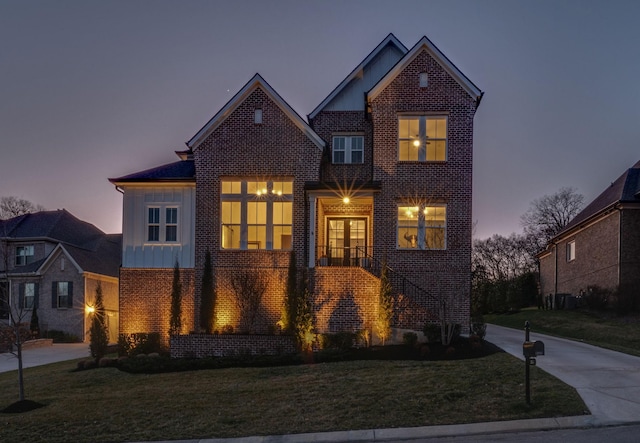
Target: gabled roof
{"points": [[90, 249], [104, 260], [256, 82], [626, 189], [59, 225], [181, 171], [426, 44], [357, 72]]}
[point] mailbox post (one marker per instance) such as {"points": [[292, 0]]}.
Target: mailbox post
{"points": [[530, 350]]}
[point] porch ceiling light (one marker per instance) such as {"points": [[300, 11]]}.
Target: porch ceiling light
{"points": [[346, 200], [416, 143]]}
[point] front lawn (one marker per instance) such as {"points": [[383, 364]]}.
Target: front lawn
{"points": [[107, 404]]}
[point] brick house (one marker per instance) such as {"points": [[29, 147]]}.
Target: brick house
{"points": [[380, 170], [53, 261], [600, 246]]}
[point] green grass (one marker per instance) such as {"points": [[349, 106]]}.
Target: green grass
{"points": [[109, 405], [617, 333]]}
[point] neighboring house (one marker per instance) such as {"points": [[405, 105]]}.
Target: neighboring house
{"points": [[382, 170], [600, 246], [53, 261]]}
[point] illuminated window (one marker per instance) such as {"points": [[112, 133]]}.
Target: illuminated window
{"points": [[162, 224], [422, 227], [256, 214], [422, 138], [348, 149], [62, 294], [571, 250], [24, 255]]}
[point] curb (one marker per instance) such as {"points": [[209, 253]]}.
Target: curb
{"points": [[395, 434]]}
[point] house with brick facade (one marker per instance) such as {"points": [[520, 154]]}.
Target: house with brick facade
{"points": [[600, 246], [379, 172], [53, 262]]}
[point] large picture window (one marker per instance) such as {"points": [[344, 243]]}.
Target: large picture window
{"points": [[422, 138], [348, 149], [422, 227], [162, 224], [256, 214]]}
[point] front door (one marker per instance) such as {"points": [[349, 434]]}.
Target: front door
{"points": [[347, 240]]}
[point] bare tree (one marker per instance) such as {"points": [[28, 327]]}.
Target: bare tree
{"points": [[13, 206], [549, 214], [17, 331]]}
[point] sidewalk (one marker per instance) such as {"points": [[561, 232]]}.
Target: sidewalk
{"points": [[43, 356]]}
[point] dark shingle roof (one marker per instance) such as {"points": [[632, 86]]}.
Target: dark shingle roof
{"points": [[104, 260], [58, 225], [92, 249], [625, 189], [183, 170]]}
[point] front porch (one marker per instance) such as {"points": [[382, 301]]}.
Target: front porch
{"points": [[341, 227]]}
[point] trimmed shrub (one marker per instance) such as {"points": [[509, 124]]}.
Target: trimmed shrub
{"points": [[410, 339]]}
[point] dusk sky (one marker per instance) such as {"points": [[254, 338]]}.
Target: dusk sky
{"points": [[98, 89]]}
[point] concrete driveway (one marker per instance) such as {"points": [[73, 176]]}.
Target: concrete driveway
{"points": [[607, 381], [43, 356]]}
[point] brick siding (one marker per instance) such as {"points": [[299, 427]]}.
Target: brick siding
{"points": [[224, 345], [145, 300]]}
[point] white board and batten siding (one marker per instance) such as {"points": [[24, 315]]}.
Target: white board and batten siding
{"points": [[137, 250]]}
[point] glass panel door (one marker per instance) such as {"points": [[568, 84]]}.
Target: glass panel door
{"points": [[347, 240]]}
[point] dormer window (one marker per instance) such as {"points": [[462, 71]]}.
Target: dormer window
{"points": [[24, 255], [348, 149]]}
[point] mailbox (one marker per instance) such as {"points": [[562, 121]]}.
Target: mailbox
{"points": [[531, 349]]}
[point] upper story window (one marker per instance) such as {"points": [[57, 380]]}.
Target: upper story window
{"points": [[422, 227], [256, 214], [422, 138], [348, 149], [24, 255], [162, 224], [571, 250]]}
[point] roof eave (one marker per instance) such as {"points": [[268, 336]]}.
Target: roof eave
{"points": [[442, 59], [255, 82], [357, 71]]}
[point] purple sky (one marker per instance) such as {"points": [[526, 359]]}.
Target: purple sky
{"points": [[91, 90]]}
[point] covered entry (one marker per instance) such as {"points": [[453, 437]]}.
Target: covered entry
{"points": [[341, 228]]}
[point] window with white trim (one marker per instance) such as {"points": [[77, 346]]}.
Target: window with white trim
{"points": [[422, 138], [348, 149], [256, 214], [421, 226], [571, 250], [24, 255], [162, 224]]}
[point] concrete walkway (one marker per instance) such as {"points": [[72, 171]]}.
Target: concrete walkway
{"points": [[43, 356], [607, 381]]}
